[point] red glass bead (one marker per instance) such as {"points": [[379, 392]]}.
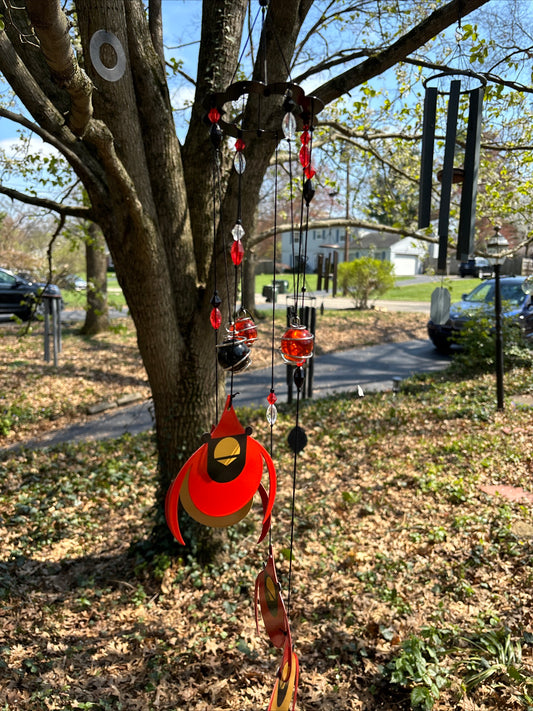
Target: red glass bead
{"points": [[215, 318], [245, 327], [214, 115], [305, 156], [240, 145], [272, 398], [309, 172], [297, 345], [305, 138], [237, 252]]}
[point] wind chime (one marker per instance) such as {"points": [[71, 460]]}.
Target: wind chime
{"points": [[217, 484], [449, 174]]}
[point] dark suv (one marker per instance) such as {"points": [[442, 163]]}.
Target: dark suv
{"points": [[478, 267], [18, 295]]}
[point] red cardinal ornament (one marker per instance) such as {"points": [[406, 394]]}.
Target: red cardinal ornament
{"points": [[217, 483]]}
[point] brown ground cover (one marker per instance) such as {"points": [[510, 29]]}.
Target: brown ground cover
{"points": [[411, 586]]}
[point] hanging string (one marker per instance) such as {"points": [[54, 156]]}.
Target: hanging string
{"points": [[274, 267], [215, 301], [248, 39], [293, 503]]}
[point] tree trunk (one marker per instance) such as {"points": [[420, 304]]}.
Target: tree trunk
{"points": [[97, 315]]}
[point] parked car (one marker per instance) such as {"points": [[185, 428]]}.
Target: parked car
{"points": [[18, 295], [477, 267], [516, 305], [75, 282]]}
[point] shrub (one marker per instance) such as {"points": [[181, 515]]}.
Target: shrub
{"points": [[366, 278], [477, 341]]}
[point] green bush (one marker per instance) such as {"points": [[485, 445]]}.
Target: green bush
{"points": [[477, 341], [365, 279]]}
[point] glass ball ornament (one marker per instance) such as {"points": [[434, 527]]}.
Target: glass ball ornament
{"points": [[244, 327], [233, 355], [297, 345]]}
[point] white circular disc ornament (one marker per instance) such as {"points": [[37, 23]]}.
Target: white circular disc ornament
{"points": [[440, 305], [100, 38], [527, 285]]}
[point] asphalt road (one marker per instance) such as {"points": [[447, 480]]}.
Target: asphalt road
{"points": [[371, 369]]}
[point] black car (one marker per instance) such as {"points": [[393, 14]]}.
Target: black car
{"points": [[18, 295], [516, 304], [477, 267]]}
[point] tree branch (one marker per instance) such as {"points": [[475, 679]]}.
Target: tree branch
{"points": [[155, 22], [52, 28], [397, 52], [340, 222], [489, 76], [64, 210]]}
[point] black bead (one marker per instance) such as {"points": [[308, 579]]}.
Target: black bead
{"points": [[299, 376], [215, 300], [308, 191], [297, 439]]}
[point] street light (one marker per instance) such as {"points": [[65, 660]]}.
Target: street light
{"points": [[496, 245]]}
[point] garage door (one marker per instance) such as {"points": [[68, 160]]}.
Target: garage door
{"points": [[405, 265]]}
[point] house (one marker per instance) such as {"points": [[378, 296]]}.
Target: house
{"points": [[408, 255]]}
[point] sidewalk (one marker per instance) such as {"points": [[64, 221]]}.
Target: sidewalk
{"points": [[321, 299]]}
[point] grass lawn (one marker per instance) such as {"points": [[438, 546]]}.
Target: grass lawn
{"points": [[423, 291], [78, 300], [409, 292]]}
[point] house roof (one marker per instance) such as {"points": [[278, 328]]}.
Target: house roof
{"points": [[378, 240]]}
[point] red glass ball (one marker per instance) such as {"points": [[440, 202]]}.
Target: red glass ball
{"points": [[214, 115], [297, 345], [240, 145], [245, 328]]}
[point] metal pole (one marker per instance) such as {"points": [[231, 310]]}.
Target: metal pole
{"points": [[46, 306], [347, 212], [499, 339]]}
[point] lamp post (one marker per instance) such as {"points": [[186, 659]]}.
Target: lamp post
{"points": [[495, 246]]}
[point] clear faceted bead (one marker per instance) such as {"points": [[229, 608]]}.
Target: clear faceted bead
{"points": [[289, 126], [239, 163], [271, 414], [238, 232]]}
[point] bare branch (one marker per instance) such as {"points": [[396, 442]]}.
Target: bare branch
{"points": [[84, 213], [439, 20], [489, 76], [340, 222]]}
